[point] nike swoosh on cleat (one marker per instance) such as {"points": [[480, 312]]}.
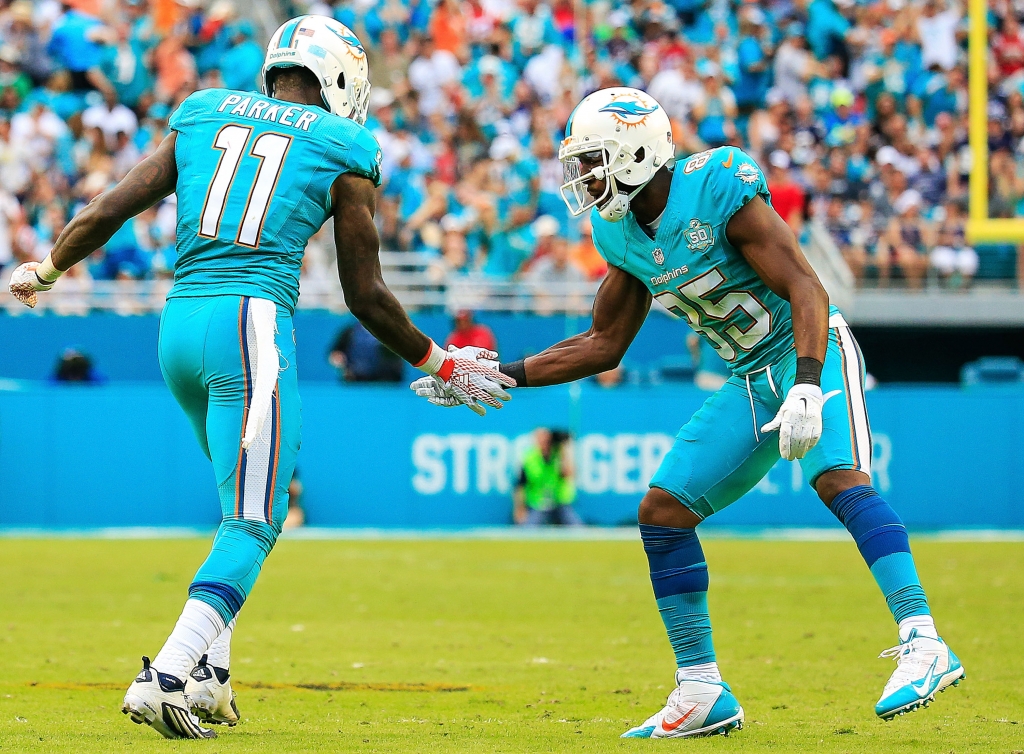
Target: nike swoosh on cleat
{"points": [[728, 163], [676, 723], [923, 687]]}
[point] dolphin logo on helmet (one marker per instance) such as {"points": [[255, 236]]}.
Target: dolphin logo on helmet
{"points": [[630, 113], [351, 40]]}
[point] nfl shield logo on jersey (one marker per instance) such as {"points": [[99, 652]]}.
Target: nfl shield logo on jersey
{"points": [[699, 236], [659, 256]]}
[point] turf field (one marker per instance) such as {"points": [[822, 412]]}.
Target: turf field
{"points": [[509, 646]]}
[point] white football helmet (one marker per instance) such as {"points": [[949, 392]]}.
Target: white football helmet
{"points": [[633, 136], [333, 53]]}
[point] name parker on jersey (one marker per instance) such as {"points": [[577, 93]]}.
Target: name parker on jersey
{"points": [[259, 109]]}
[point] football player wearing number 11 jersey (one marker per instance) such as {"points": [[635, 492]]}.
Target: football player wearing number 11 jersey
{"points": [[702, 238], [255, 177]]}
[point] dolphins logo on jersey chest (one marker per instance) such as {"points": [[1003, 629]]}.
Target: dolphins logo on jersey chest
{"points": [[699, 236]]}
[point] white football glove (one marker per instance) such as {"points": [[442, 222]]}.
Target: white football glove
{"points": [[799, 420], [25, 283], [474, 381]]}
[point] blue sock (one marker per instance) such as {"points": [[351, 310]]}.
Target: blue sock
{"points": [[882, 540], [680, 579]]}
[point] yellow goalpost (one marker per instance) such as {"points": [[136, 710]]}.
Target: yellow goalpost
{"points": [[981, 228]]}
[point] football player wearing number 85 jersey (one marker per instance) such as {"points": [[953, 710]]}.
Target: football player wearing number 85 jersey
{"points": [[255, 177], [702, 238]]}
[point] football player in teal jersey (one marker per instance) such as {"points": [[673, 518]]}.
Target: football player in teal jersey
{"points": [[702, 238], [255, 177]]}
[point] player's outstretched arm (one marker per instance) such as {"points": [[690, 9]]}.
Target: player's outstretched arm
{"points": [[620, 309], [366, 294], [767, 243], [148, 182], [465, 376]]}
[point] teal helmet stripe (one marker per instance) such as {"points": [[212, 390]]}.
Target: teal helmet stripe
{"points": [[288, 35], [568, 123]]}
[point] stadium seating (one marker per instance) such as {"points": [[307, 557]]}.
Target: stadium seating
{"points": [[856, 111]]}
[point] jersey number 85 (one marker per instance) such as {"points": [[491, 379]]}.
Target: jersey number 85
{"points": [[712, 318]]}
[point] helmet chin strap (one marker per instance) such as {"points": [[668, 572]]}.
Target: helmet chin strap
{"points": [[616, 209]]}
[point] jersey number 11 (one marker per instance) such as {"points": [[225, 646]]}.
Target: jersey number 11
{"points": [[270, 149]]}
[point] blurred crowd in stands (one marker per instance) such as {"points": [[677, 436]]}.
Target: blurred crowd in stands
{"points": [[86, 88], [856, 110]]}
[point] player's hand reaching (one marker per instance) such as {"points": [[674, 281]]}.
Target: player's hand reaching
{"points": [[469, 377], [25, 283], [799, 420]]}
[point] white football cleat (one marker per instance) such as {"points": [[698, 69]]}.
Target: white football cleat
{"points": [[158, 700], [924, 667], [694, 709], [209, 692]]}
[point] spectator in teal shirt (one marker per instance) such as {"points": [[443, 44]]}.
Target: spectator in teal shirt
{"points": [[57, 96], [124, 65], [716, 114], [937, 93], [77, 44], [826, 28], [532, 29], [512, 240], [240, 66], [753, 55], [475, 74]]}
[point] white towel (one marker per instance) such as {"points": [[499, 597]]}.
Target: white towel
{"points": [[268, 364]]}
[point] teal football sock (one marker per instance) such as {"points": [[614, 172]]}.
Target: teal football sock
{"points": [[897, 577], [230, 571], [882, 540], [680, 579]]}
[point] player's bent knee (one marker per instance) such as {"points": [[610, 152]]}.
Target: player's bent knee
{"points": [[659, 508], [831, 483]]}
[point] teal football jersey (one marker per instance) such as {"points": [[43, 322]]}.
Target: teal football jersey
{"points": [[691, 268], [254, 184]]}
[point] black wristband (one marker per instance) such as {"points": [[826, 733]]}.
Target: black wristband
{"points": [[808, 371], [516, 370]]}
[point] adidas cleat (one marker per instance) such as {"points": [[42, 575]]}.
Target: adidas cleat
{"points": [[924, 667], [209, 692], [159, 701], [694, 709]]}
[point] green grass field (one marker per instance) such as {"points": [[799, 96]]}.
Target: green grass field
{"points": [[508, 646]]}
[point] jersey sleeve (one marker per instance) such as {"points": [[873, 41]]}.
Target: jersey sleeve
{"points": [[363, 156], [608, 239], [189, 109], [736, 185]]}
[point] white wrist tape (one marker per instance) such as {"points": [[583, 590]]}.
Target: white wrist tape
{"points": [[47, 272], [433, 360]]}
